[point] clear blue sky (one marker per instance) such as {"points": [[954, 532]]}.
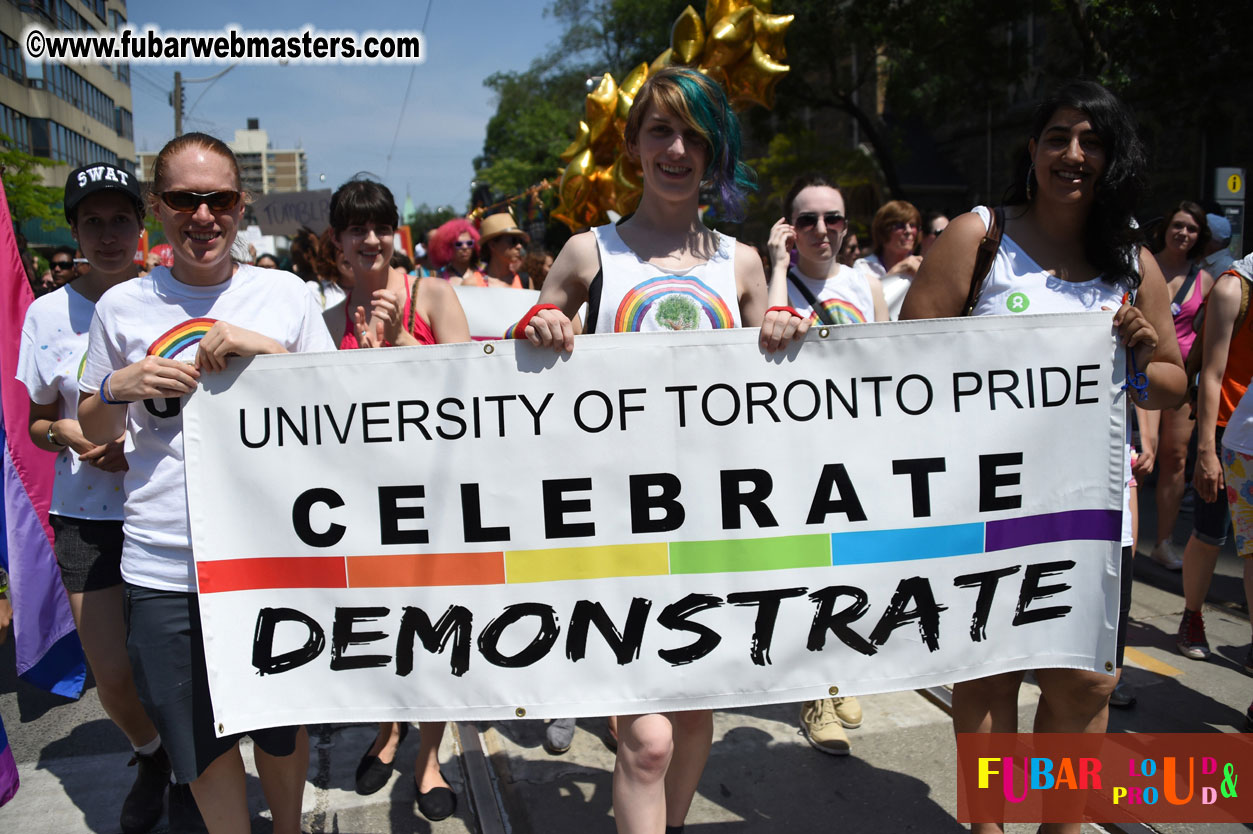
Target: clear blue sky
{"points": [[345, 116]]}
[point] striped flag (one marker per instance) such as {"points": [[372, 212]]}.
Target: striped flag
{"points": [[49, 654]]}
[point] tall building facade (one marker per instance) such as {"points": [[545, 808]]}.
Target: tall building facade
{"points": [[71, 115], [263, 169]]}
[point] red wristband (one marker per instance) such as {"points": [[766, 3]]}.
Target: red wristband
{"points": [[518, 331], [785, 309]]}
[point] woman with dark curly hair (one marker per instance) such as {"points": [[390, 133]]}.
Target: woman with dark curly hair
{"points": [[1069, 243]]}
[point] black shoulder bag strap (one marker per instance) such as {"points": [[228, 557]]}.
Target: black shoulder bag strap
{"points": [[983, 258], [823, 314], [1186, 285]]}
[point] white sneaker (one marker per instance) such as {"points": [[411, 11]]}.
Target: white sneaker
{"points": [[1167, 555]]}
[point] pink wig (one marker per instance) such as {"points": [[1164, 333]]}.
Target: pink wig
{"points": [[444, 237]]}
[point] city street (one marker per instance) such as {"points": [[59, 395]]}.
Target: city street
{"points": [[762, 774]]}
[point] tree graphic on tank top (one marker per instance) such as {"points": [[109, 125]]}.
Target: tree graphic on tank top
{"points": [[678, 312]]}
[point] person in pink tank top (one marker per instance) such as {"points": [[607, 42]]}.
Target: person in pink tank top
{"points": [[386, 308], [1180, 246]]}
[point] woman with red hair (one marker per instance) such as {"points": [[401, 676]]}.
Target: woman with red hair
{"points": [[455, 251]]}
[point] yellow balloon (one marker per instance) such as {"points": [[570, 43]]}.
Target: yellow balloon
{"points": [[729, 39], [579, 144], [716, 10], [629, 183], [601, 105], [687, 38], [770, 29], [628, 88], [752, 80], [665, 59]]}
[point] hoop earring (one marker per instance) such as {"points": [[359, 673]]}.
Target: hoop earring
{"points": [[1030, 175]]}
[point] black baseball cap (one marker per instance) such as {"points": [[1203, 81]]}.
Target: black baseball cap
{"points": [[99, 176]]}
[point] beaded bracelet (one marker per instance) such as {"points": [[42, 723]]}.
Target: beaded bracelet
{"points": [[785, 309], [104, 386]]}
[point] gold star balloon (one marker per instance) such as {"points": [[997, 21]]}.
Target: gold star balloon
{"points": [[739, 44]]}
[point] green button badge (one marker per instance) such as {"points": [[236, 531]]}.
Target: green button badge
{"points": [[1018, 302]]}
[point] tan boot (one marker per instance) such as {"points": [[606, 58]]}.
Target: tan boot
{"points": [[848, 711], [822, 727]]}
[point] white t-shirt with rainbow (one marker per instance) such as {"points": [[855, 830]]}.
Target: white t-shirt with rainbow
{"points": [[159, 315]]}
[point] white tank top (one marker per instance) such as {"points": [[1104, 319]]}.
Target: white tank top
{"points": [[845, 296], [1017, 284], [636, 296]]}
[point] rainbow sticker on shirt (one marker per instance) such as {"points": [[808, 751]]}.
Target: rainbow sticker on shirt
{"points": [[180, 337], [676, 303], [839, 311]]}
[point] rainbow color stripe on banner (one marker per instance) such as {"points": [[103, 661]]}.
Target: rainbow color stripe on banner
{"points": [[840, 311], [512, 567], [180, 337], [637, 303]]}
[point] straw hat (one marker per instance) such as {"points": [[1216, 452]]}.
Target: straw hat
{"points": [[497, 225]]}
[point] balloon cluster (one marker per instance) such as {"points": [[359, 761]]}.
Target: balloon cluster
{"points": [[739, 44]]}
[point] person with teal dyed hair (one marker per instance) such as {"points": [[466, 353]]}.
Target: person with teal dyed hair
{"points": [[661, 269]]}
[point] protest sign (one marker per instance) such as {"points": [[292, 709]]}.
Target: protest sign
{"points": [[656, 521], [284, 213]]}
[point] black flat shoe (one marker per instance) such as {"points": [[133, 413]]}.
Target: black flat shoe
{"points": [[437, 804], [373, 774]]}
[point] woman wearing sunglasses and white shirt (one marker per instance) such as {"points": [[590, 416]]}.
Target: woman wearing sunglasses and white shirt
{"points": [[819, 286], [135, 379]]}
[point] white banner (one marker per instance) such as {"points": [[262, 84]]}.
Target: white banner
{"points": [[668, 521]]}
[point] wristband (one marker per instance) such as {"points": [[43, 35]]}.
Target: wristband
{"points": [[52, 440], [518, 331], [4, 581], [785, 309], [104, 386]]}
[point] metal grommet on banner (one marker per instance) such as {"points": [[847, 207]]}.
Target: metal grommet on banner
{"points": [[1109, 667], [489, 349], [833, 691], [520, 712], [221, 729], [824, 332]]}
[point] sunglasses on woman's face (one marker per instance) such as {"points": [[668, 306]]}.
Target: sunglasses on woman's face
{"points": [[809, 219], [900, 227], [463, 244], [189, 201]]}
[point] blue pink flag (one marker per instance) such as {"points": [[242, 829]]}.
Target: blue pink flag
{"points": [[49, 654]]}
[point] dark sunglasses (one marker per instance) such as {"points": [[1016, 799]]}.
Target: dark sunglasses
{"points": [[463, 244], [809, 219], [901, 226], [189, 201], [62, 264], [934, 232]]}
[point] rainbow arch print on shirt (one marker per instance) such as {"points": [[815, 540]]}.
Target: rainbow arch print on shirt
{"points": [[840, 311], [180, 337], [636, 304]]}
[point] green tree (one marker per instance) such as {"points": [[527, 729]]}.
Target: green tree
{"points": [[29, 198]]}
